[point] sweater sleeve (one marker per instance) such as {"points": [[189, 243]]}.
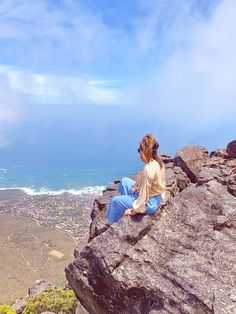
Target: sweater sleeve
{"points": [[137, 181], [146, 180]]}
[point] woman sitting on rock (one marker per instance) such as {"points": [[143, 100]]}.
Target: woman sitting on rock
{"points": [[144, 195]]}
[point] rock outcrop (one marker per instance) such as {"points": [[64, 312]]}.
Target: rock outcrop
{"points": [[180, 260], [231, 149], [191, 159], [39, 286]]}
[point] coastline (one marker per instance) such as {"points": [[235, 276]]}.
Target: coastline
{"points": [[44, 191], [39, 232], [64, 210]]}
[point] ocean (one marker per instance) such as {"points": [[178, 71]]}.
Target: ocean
{"points": [[87, 174], [76, 149], [81, 149]]}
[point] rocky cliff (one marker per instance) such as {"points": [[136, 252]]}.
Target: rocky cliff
{"points": [[180, 260]]}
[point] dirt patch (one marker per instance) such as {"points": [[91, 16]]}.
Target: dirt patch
{"points": [[29, 252], [56, 254]]}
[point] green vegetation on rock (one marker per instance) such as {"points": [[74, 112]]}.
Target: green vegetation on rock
{"points": [[6, 309], [54, 300]]}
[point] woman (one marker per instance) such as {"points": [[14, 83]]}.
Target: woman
{"points": [[144, 195]]}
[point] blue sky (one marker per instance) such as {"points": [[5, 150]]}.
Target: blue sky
{"points": [[172, 60]]}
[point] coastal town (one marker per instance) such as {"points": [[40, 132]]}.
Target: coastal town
{"points": [[68, 212]]}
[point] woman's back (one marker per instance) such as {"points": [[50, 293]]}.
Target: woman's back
{"points": [[156, 175], [144, 195]]}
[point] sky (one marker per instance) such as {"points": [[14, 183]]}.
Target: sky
{"points": [[119, 68]]}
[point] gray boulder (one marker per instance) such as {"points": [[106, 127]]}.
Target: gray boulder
{"points": [[38, 287], [231, 149], [181, 177], [191, 159], [232, 184], [219, 153], [181, 260], [80, 309], [19, 305]]}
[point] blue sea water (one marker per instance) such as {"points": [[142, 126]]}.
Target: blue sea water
{"points": [[76, 149], [87, 173], [84, 148]]}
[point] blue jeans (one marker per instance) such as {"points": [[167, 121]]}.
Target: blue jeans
{"points": [[125, 200]]}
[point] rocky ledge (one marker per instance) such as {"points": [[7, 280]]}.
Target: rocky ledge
{"points": [[180, 260]]}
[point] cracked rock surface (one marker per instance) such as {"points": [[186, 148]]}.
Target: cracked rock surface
{"points": [[180, 260]]}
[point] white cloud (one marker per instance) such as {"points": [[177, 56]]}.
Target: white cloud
{"points": [[55, 32], [181, 63], [12, 106], [63, 89], [194, 88]]}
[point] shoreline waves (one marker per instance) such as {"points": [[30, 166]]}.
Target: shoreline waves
{"points": [[97, 189], [68, 210]]}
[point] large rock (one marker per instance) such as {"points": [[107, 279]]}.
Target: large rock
{"points": [[167, 159], [99, 223], [39, 286], [219, 153], [219, 167], [191, 159], [19, 305], [80, 309], [181, 177], [181, 260], [231, 149], [232, 184]]}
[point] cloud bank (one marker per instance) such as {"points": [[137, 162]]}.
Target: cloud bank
{"points": [[12, 106], [194, 88], [57, 89], [173, 60]]}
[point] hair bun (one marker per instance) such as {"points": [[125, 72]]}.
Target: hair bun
{"points": [[155, 146]]}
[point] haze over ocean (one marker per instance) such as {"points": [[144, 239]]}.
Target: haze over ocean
{"points": [[56, 152], [81, 82]]}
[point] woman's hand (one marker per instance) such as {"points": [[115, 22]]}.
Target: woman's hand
{"points": [[133, 189], [130, 212]]}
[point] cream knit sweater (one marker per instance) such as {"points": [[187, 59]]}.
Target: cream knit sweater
{"points": [[150, 181]]}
